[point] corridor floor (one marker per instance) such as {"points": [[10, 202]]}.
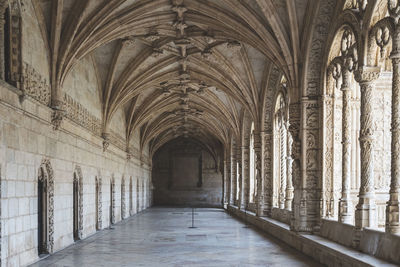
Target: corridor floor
{"points": [[162, 237]]}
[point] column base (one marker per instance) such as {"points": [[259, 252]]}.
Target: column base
{"points": [[346, 211], [365, 215], [392, 217]]}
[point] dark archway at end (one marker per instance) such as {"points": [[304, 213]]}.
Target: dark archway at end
{"points": [[185, 173]]}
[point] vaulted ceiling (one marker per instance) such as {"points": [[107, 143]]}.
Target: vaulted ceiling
{"points": [[178, 67]]}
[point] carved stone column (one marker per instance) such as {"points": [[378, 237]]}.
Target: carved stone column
{"points": [[283, 169], [240, 176], [366, 208], [227, 180], [393, 205], [245, 177], [267, 142], [259, 198], [233, 178], [289, 184], [345, 204], [298, 203]]}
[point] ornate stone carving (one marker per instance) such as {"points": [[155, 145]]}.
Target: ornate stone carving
{"points": [[123, 204], [34, 85], [56, 118], [48, 177], [99, 202], [112, 192], [106, 141], [79, 179], [80, 115], [393, 205], [346, 208], [365, 210]]}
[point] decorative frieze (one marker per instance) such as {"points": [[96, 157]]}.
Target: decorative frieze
{"points": [[80, 115], [35, 86]]}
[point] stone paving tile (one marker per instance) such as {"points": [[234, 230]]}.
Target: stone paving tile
{"points": [[162, 237]]}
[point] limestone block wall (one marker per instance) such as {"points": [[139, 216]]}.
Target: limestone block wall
{"points": [[26, 140]]}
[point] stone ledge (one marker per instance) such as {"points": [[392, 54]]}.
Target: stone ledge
{"points": [[321, 249]]}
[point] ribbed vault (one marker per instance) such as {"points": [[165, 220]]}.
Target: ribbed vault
{"points": [[176, 67]]}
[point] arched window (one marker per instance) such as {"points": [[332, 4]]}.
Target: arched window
{"points": [[252, 166]]}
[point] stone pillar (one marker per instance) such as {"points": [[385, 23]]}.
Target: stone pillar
{"points": [[228, 181], [267, 142], [259, 198], [366, 208], [283, 169], [393, 205], [240, 177], [298, 204], [245, 176], [233, 178], [225, 184], [289, 184], [345, 204]]}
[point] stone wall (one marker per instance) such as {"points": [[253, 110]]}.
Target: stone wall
{"points": [[176, 175], [26, 141]]}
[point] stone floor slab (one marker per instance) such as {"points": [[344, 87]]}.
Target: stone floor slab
{"points": [[162, 237]]}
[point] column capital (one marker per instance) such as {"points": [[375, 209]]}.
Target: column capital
{"points": [[367, 74]]}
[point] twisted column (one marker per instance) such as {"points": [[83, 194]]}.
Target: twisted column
{"points": [[393, 206], [345, 204], [366, 207]]}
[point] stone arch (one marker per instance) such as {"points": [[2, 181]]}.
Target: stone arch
{"points": [[46, 223], [123, 204], [98, 200], [78, 203]]}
